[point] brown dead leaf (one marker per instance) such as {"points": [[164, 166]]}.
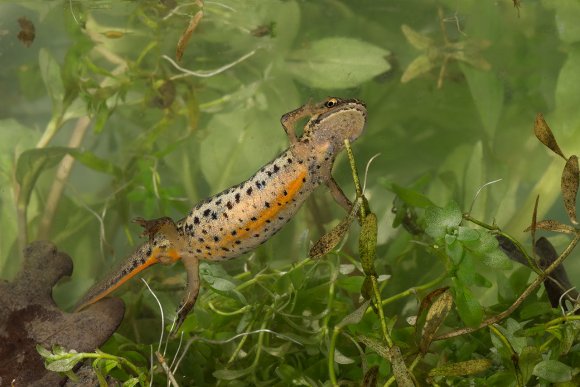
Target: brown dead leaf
{"points": [[184, 38], [435, 317], [27, 31], [545, 135], [469, 367], [570, 177], [553, 225], [30, 317]]}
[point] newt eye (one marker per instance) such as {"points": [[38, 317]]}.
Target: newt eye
{"points": [[332, 102]]}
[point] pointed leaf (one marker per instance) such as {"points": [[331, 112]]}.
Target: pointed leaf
{"points": [[338, 63], [50, 72], [402, 375], [65, 364], [411, 197], [469, 309], [367, 245], [570, 178], [428, 300], [376, 346], [370, 378], [553, 225], [354, 317], [529, 357], [420, 65], [329, 240], [417, 40], [545, 135], [534, 221], [435, 317], [468, 367], [29, 166]]}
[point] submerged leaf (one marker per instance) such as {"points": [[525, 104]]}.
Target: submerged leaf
{"points": [[553, 225], [469, 309], [367, 244], [468, 367], [553, 371], [417, 40], [370, 378], [420, 65], [31, 163], [338, 63], [329, 240], [435, 317], [569, 184], [545, 135], [440, 220]]}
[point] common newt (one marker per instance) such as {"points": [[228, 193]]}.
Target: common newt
{"points": [[242, 217]]}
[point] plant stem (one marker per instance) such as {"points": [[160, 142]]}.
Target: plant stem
{"points": [[531, 288]]}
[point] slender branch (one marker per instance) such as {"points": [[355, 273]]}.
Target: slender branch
{"points": [[62, 174], [531, 288]]}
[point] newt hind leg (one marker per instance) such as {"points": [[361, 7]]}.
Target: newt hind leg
{"points": [[177, 249], [191, 292]]}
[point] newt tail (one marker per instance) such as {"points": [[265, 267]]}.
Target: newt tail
{"points": [[144, 257]]}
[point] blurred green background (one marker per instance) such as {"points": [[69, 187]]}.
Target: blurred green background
{"points": [[452, 89]]}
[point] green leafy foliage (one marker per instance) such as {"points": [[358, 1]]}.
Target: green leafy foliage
{"points": [[451, 95]]}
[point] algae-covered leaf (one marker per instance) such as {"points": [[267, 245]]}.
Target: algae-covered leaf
{"points": [[468, 367], [367, 245], [337, 63], [435, 317], [417, 40], [570, 178], [545, 135]]}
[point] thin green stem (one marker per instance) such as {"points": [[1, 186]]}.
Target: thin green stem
{"points": [[531, 288], [513, 354], [331, 349], [381, 312]]}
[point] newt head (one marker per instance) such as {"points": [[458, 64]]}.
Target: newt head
{"points": [[335, 120]]}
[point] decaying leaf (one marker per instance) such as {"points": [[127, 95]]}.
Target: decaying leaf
{"points": [[570, 177], [558, 283], [427, 301], [264, 30], [376, 346], [468, 367], [394, 356], [329, 240], [371, 376], [553, 225], [367, 244], [29, 317], [435, 317], [400, 370], [27, 31], [545, 135], [184, 38]]}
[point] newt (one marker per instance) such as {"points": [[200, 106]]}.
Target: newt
{"points": [[242, 217]]}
